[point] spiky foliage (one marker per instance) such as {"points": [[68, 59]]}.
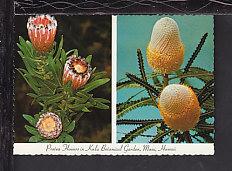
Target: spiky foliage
{"points": [[202, 132], [43, 73]]}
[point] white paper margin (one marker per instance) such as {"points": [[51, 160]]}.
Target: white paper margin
{"points": [[112, 149]]}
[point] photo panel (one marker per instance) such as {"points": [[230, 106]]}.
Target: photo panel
{"points": [[62, 79], [165, 79]]}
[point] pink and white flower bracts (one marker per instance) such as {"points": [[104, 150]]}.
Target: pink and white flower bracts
{"points": [[76, 70], [42, 31]]}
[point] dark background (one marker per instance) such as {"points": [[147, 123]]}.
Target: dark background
{"points": [[90, 35], [221, 161]]}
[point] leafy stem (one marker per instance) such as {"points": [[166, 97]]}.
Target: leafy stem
{"points": [[143, 74]]}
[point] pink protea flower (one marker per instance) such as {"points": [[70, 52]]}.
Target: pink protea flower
{"points": [[42, 31], [76, 70], [49, 125]]}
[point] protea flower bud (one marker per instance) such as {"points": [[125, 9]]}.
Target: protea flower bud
{"points": [[49, 125], [42, 31], [76, 70], [165, 51], [179, 107]]}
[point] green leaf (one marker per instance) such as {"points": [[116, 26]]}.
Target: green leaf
{"points": [[28, 79], [206, 137], [59, 48], [142, 70], [47, 141], [59, 68], [123, 108], [78, 107], [206, 91], [85, 109], [51, 65], [207, 96], [30, 46], [34, 139], [207, 114], [92, 85], [142, 83], [157, 138], [31, 130], [88, 59], [32, 95], [205, 126], [68, 139], [101, 105], [54, 99], [68, 87], [83, 95], [44, 86], [60, 139], [141, 65], [194, 55], [25, 47], [30, 119], [98, 75], [71, 127], [63, 57], [101, 100], [138, 122], [208, 104], [127, 84], [75, 51], [37, 116], [195, 72], [136, 132], [29, 62]]}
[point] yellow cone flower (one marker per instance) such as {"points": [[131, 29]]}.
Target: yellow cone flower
{"points": [[179, 107], [165, 51]]}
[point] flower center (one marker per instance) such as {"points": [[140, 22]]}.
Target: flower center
{"points": [[79, 66], [48, 124]]}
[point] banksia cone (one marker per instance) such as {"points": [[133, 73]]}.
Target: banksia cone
{"points": [[165, 51], [179, 107], [49, 125], [42, 31], [76, 70]]}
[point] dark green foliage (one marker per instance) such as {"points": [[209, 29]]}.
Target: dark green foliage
{"points": [[43, 73], [205, 96], [206, 91]]}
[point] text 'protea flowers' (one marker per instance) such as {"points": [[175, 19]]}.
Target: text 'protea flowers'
{"points": [[49, 125], [76, 70], [165, 51], [42, 31], [179, 107]]}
